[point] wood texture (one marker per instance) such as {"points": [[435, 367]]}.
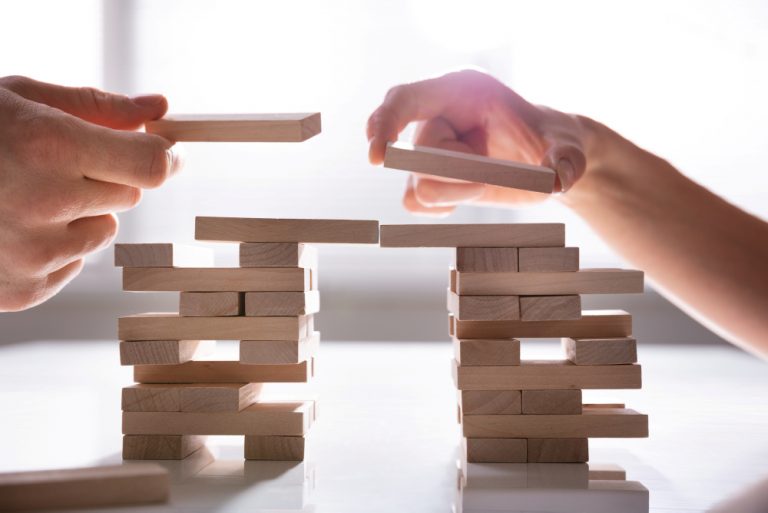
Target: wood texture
{"points": [[486, 260], [548, 308], [222, 372], [162, 255], [491, 402], [586, 281], [484, 308], [593, 324], [452, 279], [601, 351], [469, 167], [279, 304], [242, 229], [606, 472], [217, 279], [264, 352], [161, 326], [160, 447], [496, 450], [471, 235], [551, 402], [211, 304], [277, 254], [290, 127], [274, 448], [533, 260], [193, 397], [471, 352], [558, 450], [163, 352]]}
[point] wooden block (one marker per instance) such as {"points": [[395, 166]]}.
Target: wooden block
{"points": [[600, 351], [593, 324], [162, 255], [597, 423], [594, 406], [546, 375], [469, 167], [198, 397], [606, 472], [151, 398], [487, 260], [484, 308], [261, 352], [487, 352], [161, 326], [548, 308], [471, 235], [452, 280], [586, 281], [552, 402], [274, 448], [211, 304], [160, 447], [496, 450], [490, 402], [279, 304], [534, 260], [242, 229], [558, 450], [118, 485], [292, 127], [216, 279], [262, 418], [163, 352], [222, 372], [277, 254]]}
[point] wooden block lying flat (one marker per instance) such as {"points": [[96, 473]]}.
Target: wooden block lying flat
{"points": [[487, 260], [242, 229], [163, 352], [264, 352], [277, 254], [558, 450], [491, 402], [548, 308], [536, 260], [471, 235], [601, 351], [215, 279], [293, 127], [222, 372], [469, 167], [606, 472], [485, 308], [119, 485], [160, 447], [593, 324], [487, 352], [547, 375], [279, 304], [496, 450], [586, 281], [161, 326], [162, 255], [194, 397], [552, 402], [211, 304], [274, 448]]}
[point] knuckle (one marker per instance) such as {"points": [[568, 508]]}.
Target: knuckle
{"points": [[15, 83], [93, 100]]}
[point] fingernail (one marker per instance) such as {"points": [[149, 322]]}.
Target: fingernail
{"points": [[566, 173], [148, 100], [175, 159]]}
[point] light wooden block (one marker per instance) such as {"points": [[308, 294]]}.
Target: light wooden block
{"points": [[452, 279], [211, 304], [548, 308], [289, 127], [118, 485], [484, 308], [532, 260], [222, 372], [217, 279], [586, 281], [547, 375], [496, 450], [278, 304], [593, 324], [469, 167], [552, 402], [195, 397], [262, 418], [160, 447], [471, 235], [594, 406], [277, 254], [606, 472], [491, 402], [274, 448], [601, 351], [263, 352], [162, 326], [163, 352], [558, 450], [162, 255], [242, 229], [471, 352], [159, 397], [486, 260]]}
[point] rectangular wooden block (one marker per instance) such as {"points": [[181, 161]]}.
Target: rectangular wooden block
{"points": [[536, 260], [601, 351], [211, 304], [277, 254], [552, 402], [210, 397], [593, 324], [548, 308], [242, 229], [162, 326], [160, 447], [471, 235], [222, 372], [452, 279], [607, 472], [289, 127], [586, 281], [491, 402], [264, 352], [469, 167], [279, 304], [163, 352], [217, 279], [471, 352], [496, 450], [558, 450], [118, 485], [484, 308], [274, 448], [162, 255], [547, 375], [486, 260]]}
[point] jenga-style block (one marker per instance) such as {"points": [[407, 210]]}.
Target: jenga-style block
{"points": [[484, 308], [243, 229], [211, 304], [471, 235], [601, 351], [277, 304], [290, 127], [558, 450], [606, 472], [222, 372], [536, 260], [263, 352], [496, 450], [593, 324], [552, 402], [217, 279], [487, 352], [469, 167], [162, 326], [277, 254], [160, 447], [491, 402], [486, 260], [274, 448], [452, 280], [200, 397], [548, 308], [163, 352], [162, 255], [117, 485], [586, 281]]}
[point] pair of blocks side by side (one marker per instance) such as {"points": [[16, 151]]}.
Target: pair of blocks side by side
{"points": [[218, 279], [267, 352], [601, 351], [190, 397], [224, 372], [585, 281], [526, 450], [254, 304], [289, 127], [501, 260], [514, 308], [163, 352], [520, 402], [592, 324]]}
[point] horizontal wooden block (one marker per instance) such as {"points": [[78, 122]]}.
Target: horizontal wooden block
{"points": [[274, 448], [471, 235], [606, 472], [242, 229], [547, 375], [486, 260], [535, 260], [190, 396], [291, 127], [160, 447], [601, 351], [491, 402], [558, 450], [216, 279], [593, 324], [163, 352], [262, 418], [222, 372], [487, 352], [548, 308], [162, 255], [211, 304], [277, 254], [263, 352], [161, 326], [469, 167], [496, 450], [484, 308], [118, 485], [586, 281], [552, 402], [279, 304]]}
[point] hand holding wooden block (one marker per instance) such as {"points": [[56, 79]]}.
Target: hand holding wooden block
{"points": [[237, 127]]}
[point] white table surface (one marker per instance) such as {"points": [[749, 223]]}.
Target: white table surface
{"points": [[386, 437]]}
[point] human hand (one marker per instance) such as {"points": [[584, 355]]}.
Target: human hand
{"points": [[69, 159]]}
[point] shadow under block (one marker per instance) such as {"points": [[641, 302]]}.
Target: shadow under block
{"points": [[597, 351], [163, 352], [471, 352], [264, 352], [245, 229], [558, 450], [162, 255], [291, 127], [531, 260], [210, 304], [551, 402], [593, 324], [223, 372], [192, 397], [546, 375], [469, 167], [163, 326], [277, 304], [548, 308], [485, 308], [274, 448], [471, 235], [217, 279], [263, 418], [496, 450], [490, 402], [160, 447], [277, 254], [587, 281], [118, 485]]}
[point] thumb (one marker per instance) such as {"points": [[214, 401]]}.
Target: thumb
{"points": [[568, 161]]}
